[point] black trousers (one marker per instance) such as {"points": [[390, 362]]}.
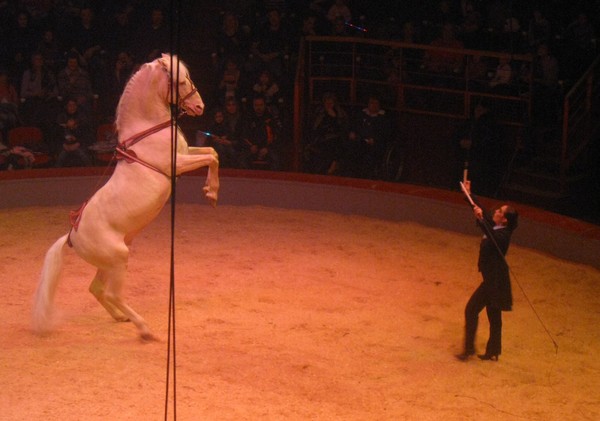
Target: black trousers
{"points": [[478, 301]]}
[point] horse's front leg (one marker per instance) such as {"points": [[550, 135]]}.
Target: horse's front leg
{"points": [[198, 158]]}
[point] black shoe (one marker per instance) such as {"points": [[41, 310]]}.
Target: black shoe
{"points": [[464, 356], [488, 357]]}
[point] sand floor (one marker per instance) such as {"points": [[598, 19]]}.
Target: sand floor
{"points": [[294, 315]]}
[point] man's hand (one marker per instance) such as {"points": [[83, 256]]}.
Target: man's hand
{"points": [[478, 212]]}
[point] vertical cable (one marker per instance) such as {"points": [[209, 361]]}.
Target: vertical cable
{"points": [[174, 37]]}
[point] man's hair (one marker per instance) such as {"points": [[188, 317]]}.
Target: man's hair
{"points": [[512, 218]]}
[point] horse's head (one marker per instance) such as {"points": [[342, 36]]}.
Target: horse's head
{"points": [[181, 85]]}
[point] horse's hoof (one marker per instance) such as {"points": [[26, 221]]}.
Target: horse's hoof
{"points": [[148, 337]]}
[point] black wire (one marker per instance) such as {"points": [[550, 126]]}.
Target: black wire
{"points": [[174, 93]]}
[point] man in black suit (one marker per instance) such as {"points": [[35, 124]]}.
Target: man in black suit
{"points": [[494, 293]]}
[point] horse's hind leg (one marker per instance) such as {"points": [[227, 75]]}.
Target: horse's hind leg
{"points": [[115, 279], [97, 288]]}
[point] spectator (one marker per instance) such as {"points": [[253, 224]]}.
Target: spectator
{"points": [[232, 42], [153, 38], [119, 34], [472, 26], [86, 40], [74, 82], [51, 50], [482, 150], [9, 105], [339, 10], [369, 139], [271, 46], [23, 42], [444, 64], [502, 79], [220, 141], [539, 30], [123, 68], [580, 41], [328, 137], [261, 141], [75, 134], [476, 71], [268, 88], [234, 120], [38, 93], [545, 86], [230, 83]]}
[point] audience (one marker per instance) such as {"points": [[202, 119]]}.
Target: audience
{"points": [[82, 48]]}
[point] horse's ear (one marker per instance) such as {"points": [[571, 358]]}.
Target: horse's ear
{"points": [[165, 61]]}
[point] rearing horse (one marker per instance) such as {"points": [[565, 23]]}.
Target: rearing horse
{"points": [[136, 192]]}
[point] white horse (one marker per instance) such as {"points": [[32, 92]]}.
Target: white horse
{"points": [[136, 192]]}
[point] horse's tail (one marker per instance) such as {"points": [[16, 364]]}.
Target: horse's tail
{"points": [[44, 296]]}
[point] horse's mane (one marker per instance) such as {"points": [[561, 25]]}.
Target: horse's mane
{"points": [[142, 94], [145, 94]]}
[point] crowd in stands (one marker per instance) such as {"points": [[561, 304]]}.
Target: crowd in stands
{"points": [[64, 64]]}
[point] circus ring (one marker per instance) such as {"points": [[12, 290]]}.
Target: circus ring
{"points": [[300, 297]]}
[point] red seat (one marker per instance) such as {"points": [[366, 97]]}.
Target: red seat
{"points": [[32, 138]]}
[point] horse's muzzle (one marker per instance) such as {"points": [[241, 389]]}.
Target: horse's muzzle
{"points": [[193, 109]]}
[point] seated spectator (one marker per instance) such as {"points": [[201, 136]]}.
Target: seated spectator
{"points": [[445, 62], [38, 93], [220, 141], [9, 105], [23, 39], [539, 30], [328, 136], [234, 120], [122, 70], [74, 82], [230, 82], [580, 46], [51, 50], [271, 46], [339, 10], [476, 71], [86, 40], [152, 38], [267, 87], [261, 138], [232, 43], [75, 135], [368, 140], [471, 27], [545, 86], [480, 145], [502, 79]]}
